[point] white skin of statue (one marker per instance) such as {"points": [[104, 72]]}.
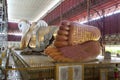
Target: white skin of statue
{"points": [[40, 30]]}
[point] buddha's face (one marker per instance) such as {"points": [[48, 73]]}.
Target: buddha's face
{"points": [[23, 26]]}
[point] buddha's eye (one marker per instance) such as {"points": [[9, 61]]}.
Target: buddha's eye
{"points": [[20, 25]]}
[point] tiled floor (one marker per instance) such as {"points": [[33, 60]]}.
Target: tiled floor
{"points": [[13, 74]]}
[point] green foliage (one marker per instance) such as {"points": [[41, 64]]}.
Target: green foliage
{"points": [[118, 51], [113, 50]]}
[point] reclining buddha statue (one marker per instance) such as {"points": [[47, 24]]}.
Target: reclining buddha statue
{"points": [[35, 37], [75, 42]]}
